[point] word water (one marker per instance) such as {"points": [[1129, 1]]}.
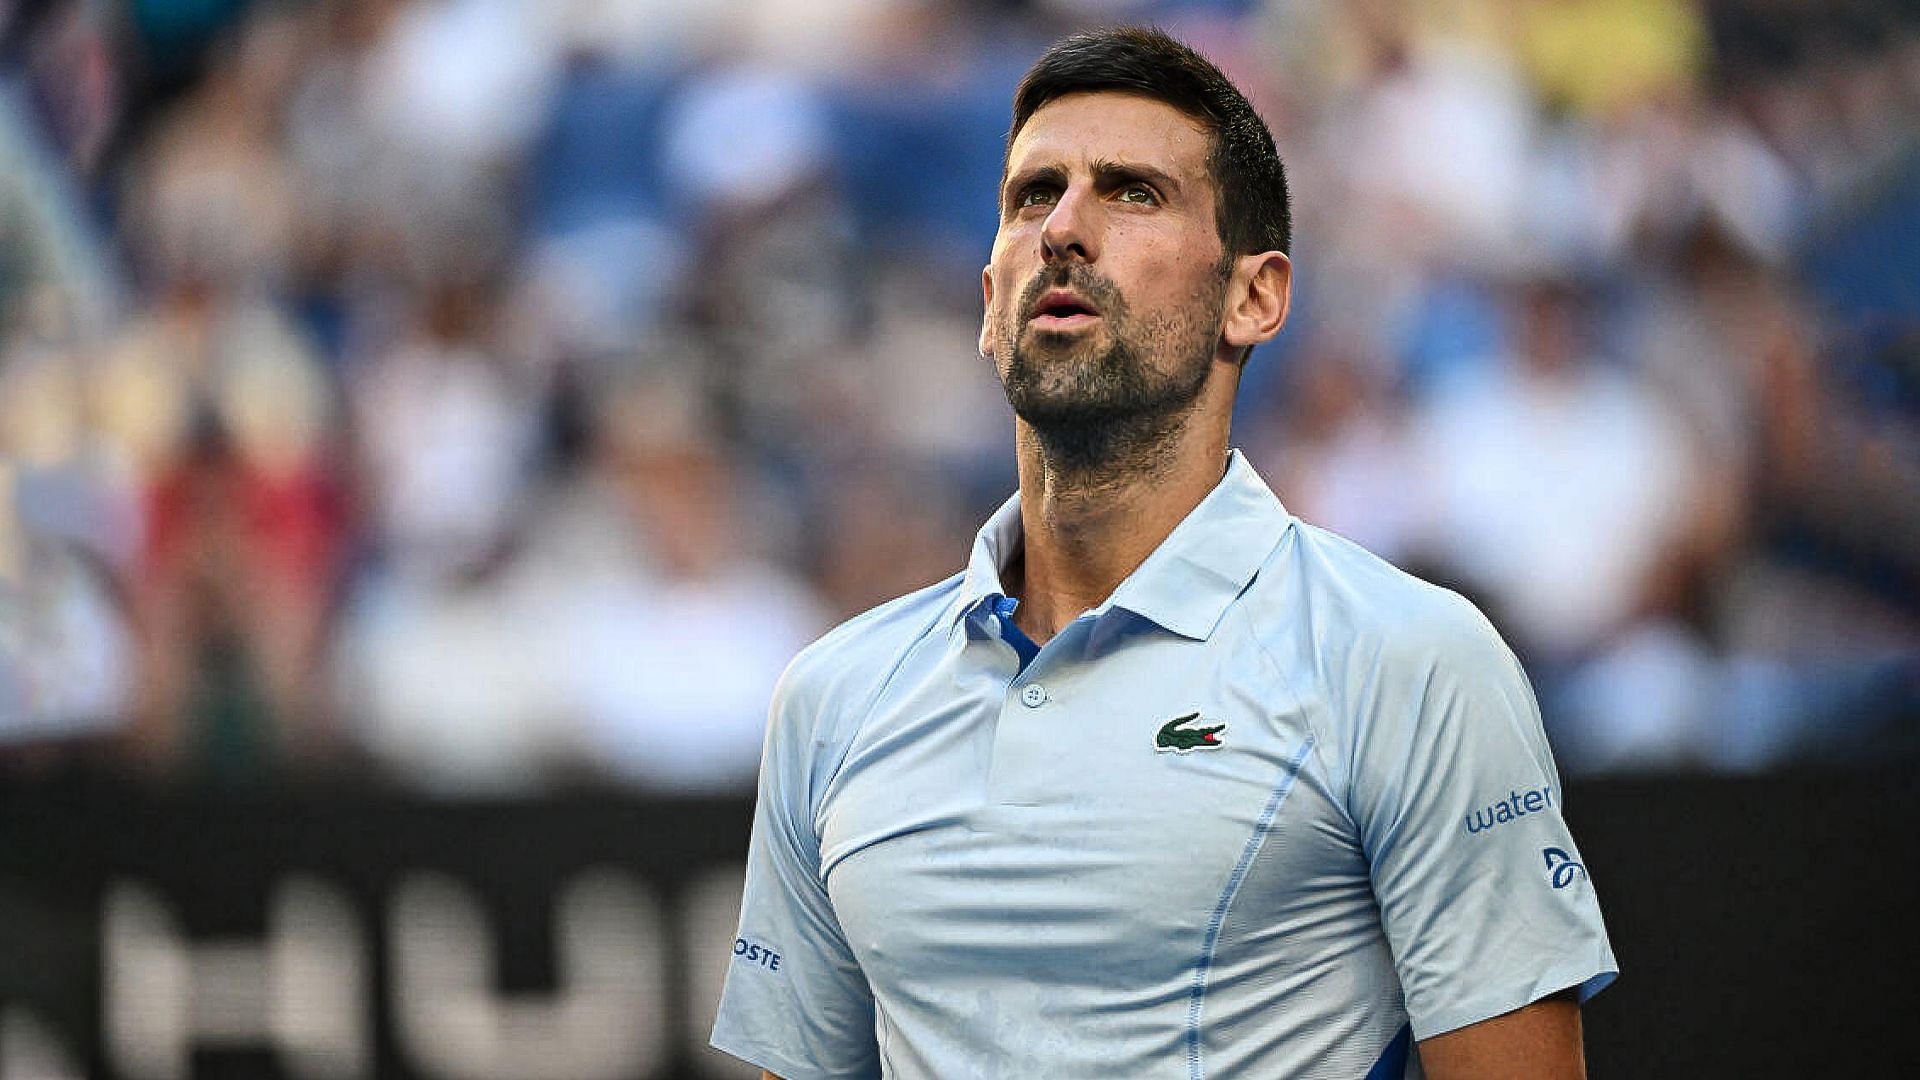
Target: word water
{"points": [[1517, 804]]}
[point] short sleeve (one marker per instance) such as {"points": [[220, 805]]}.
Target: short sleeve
{"points": [[1485, 899], [795, 1001]]}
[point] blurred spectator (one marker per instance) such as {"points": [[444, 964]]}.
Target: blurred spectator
{"points": [[448, 435], [451, 676], [1559, 485], [631, 626], [227, 416], [448, 432], [1343, 453], [672, 666], [505, 391], [210, 199], [49, 253], [66, 649]]}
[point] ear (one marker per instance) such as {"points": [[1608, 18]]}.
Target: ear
{"points": [[1257, 299], [986, 319]]}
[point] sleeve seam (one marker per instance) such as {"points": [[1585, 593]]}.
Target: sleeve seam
{"points": [[1338, 780], [858, 719]]}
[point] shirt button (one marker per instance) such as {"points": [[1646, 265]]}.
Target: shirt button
{"points": [[1033, 696]]}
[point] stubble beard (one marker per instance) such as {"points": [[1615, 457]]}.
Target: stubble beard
{"points": [[1094, 401]]}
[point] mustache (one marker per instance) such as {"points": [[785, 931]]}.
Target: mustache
{"points": [[1077, 276]]}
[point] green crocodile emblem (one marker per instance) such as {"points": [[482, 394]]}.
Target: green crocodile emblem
{"points": [[1182, 739]]}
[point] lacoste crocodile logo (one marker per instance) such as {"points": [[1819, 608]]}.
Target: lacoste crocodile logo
{"points": [[1172, 736]]}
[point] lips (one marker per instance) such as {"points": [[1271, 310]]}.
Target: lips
{"points": [[1062, 309]]}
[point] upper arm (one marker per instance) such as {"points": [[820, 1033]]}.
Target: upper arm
{"points": [[1540, 1041], [1483, 896], [794, 995]]}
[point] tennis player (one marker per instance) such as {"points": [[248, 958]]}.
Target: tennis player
{"points": [[1167, 783]]}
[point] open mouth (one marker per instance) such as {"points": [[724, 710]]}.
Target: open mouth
{"points": [[1060, 310]]}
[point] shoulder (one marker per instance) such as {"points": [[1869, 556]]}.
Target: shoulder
{"points": [[1375, 644], [1362, 603], [826, 692], [829, 684], [1407, 677]]}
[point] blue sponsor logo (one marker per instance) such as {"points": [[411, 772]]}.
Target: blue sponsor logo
{"points": [[1517, 804], [754, 953], [1561, 867]]}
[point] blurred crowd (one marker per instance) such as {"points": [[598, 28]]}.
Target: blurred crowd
{"points": [[491, 396]]}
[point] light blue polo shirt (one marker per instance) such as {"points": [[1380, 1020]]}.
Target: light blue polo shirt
{"points": [[1275, 809]]}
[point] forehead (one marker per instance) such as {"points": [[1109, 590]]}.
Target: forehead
{"points": [[1110, 126]]}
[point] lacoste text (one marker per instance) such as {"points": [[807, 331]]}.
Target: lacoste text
{"points": [[756, 954]]}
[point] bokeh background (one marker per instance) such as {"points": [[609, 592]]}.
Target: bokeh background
{"points": [[469, 406]]}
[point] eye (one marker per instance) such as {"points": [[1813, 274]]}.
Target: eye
{"points": [[1035, 195], [1139, 194]]}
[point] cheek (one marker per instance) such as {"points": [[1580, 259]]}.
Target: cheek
{"points": [[1009, 279], [1171, 289], [1009, 270], [1186, 282]]}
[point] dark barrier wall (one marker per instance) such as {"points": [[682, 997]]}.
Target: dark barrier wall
{"points": [[1766, 928]]}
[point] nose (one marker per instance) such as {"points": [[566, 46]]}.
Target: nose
{"points": [[1072, 228]]}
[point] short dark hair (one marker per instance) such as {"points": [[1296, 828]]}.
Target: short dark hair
{"points": [[1250, 183]]}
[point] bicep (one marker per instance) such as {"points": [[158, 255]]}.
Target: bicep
{"points": [[794, 993], [1483, 896], [1540, 1041]]}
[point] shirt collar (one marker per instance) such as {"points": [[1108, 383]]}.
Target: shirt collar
{"points": [[995, 543], [1188, 582]]}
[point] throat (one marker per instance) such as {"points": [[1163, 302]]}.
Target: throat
{"points": [[1083, 536], [1099, 452], [1086, 530]]}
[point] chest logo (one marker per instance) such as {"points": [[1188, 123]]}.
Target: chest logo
{"points": [[1176, 736]]}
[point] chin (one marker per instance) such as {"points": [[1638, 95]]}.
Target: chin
{"points": [[1064, 342]]}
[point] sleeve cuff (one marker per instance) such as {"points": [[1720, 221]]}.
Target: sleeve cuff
{"points": [[1585, 979]]}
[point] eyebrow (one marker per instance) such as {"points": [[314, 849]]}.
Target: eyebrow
{"points": [[1026, 178], [1110, 173], [1107, 174]]}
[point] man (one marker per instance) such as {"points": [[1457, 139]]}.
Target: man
{"points": [[1167, 783]]}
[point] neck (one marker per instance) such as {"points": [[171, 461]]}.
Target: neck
{"points": [[1087, 525]]}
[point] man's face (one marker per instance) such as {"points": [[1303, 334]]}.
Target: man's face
{"points": [[1106, 291]]}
